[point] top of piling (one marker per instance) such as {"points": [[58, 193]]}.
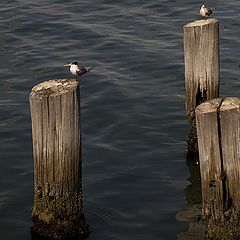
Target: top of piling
{"points": [[54, 87], [199, 23], [219, 104], [230, 103], [209, 106]]}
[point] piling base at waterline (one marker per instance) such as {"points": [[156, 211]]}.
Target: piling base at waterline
{"points": [[54, 219]]}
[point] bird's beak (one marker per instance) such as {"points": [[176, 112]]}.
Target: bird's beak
{"points": [[67, 65]]}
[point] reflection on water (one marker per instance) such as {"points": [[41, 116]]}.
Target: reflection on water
{"points": [[193, 209], [133, 114]]}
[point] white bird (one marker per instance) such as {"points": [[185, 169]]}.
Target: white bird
{"points": [[75, 69], [205, 11]]}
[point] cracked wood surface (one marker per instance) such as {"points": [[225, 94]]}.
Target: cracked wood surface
{"points": [[201, 57], [218, 132]]}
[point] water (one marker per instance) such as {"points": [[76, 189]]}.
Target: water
{"points": [[133, 115]]}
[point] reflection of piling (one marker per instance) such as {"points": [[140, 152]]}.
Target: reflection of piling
{"points": [[201, 54], [192, 212], [218, 130], [58, 208]]}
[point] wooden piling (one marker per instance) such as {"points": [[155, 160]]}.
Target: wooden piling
{"points": [[210, 156], [58, 208], [218, 131], [201, 56]]}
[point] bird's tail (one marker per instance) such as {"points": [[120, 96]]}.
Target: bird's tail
{"points": [[90, 68]]}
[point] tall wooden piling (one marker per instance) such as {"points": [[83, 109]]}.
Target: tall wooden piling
{"points": [[201, 56], [58, 208], [218, 131]]}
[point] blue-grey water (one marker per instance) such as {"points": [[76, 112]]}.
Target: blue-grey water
{"points": [[134, 125]]}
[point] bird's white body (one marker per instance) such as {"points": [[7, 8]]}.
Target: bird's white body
{"points": [[205, 11], [73, 69]]}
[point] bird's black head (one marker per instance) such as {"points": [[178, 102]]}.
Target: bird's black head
{"points": [[74, 63]]}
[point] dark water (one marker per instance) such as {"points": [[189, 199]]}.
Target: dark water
{"points": [[133, 115]]}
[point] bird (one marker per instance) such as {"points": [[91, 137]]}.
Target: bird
{"points": [[205, 11], [77, 70]]}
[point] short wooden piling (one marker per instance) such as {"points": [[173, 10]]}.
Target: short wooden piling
{"points": [[218, 131], [58, 208], [201, 56]]}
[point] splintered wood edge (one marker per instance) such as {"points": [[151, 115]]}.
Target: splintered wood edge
{"points": [[199, 23], [53, 87]]}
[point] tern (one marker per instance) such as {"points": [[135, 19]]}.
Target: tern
{"points": [[76, 70], [205, 11]]}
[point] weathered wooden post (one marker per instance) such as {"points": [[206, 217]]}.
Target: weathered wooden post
{"points": [[58, 208], [201, 56], [218, 131]]}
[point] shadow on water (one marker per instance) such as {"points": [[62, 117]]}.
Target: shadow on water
{"points": [[192, 212]]}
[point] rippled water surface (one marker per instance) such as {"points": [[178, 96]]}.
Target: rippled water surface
{"points": [[133, 115]]}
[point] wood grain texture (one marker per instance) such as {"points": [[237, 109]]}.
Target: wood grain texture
{"points": [[55, 113], [201, 57], [218, 131], [230, 143], [210, 157]]}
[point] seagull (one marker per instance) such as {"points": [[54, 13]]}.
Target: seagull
{"points": [[75, 69], [205, 11]]}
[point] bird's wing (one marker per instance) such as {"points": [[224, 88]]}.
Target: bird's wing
{"points": [[81, 71], [90, 68], [209, 11]]}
